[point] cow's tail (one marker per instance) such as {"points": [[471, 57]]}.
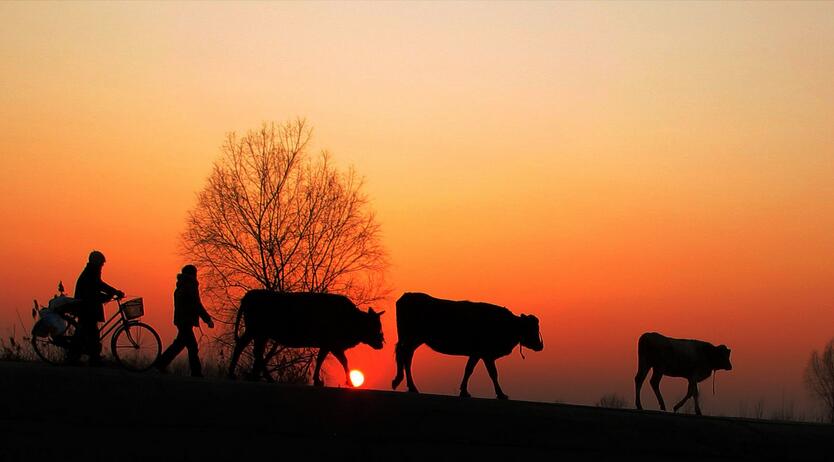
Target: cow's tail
{"points": [[399, 356], [237, 323]]}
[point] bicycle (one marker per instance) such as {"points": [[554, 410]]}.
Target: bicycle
{"points": [[134, 344]]}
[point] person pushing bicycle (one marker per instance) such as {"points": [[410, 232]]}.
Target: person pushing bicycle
{"points": [[93, 293]]}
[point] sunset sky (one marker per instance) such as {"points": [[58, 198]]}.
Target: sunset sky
{"points": [[613, 168]]}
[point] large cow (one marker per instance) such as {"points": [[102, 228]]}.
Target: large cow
{"points": [[329, 322], [693, 360], [479, 330]]}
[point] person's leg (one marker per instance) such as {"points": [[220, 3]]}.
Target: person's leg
{"points": [[187, 334], [95, 343], [171, 352], [89, 339], [78, 343]]}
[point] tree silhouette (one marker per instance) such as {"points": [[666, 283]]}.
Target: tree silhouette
{"points": [[819, 378], [274, 216]]}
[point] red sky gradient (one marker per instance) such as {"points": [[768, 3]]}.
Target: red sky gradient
{"points": [[613, 169]]}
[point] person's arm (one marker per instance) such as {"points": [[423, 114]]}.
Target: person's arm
{"points": [[206, 317], [201, 310], [110, 290]]}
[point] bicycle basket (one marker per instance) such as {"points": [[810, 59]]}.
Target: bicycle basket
{"points": [[134, 308]]}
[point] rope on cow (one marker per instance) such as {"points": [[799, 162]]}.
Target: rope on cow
{"points": [[521, 351]]}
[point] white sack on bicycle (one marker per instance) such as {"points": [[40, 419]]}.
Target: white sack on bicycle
{"points": [[50, 323], [59, 301]]}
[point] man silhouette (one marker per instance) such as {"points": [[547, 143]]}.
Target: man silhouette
{"points": [[92, 292], [188, 310]]}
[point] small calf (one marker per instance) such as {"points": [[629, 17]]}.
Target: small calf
{"points": [[693, 360]]}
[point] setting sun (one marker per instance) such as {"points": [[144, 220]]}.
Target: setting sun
{"points": [[357, 378]]}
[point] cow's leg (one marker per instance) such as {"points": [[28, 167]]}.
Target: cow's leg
{"points": [[265, 371], [690, 391], [258, 365], [467, 372], [642, 372], [655, 383], [240, 345], [317, 372], [695, 394], [408, 356], [493, 374], [340, 355]]}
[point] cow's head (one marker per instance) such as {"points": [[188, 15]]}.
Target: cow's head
{"points": [[373, 330], [531, 337], [721, 358]]}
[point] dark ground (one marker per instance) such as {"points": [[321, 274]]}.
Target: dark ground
{"points": [[75, 413]]}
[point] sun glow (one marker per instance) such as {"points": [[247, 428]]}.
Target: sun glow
{"points": [[357, 378]]}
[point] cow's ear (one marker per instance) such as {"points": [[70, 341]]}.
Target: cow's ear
{"points": [[381, 313]]}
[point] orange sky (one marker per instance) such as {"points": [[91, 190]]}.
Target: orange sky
{"points": [[611, 168]]}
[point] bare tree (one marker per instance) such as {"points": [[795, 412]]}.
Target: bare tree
{"points": [[819, 378], [274, 216]]}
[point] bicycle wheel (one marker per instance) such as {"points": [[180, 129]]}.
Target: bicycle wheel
{"points": [[136, 346], [56, 350]]}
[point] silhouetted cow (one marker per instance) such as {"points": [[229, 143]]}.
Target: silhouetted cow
{"points": [[478, 330], [329, 322], [693, 360]]}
